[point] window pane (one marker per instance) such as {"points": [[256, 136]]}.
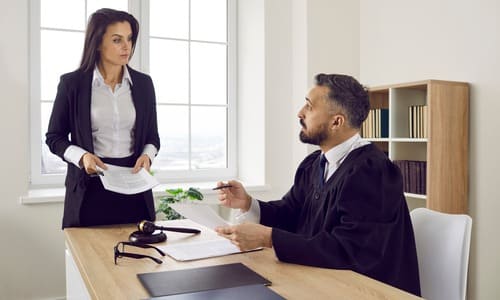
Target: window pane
{"points": [[93, 5], [169, 69], [51, 164], [208, 20], [60, 53], [184, 73], [67, 14], [169, 18], [208, 73], [208, 137], [173, 125]]}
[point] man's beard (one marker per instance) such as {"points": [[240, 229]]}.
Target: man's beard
{"points": [[315, 138]]}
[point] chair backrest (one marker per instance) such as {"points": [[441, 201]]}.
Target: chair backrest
{"points": [[443, 242]]}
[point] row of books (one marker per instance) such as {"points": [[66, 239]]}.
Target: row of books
{"points": [[417, 121], [414, 175], [376, 124]]}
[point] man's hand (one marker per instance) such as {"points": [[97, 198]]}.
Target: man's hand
{"points": [[90, 162], [235, 196], [142, 162], [247, 236]]}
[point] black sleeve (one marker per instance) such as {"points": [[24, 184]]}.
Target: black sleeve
{"points": [[57, 136], [284, 213], [152, 120]]}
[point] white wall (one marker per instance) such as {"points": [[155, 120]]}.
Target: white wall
{"points": [[251, 91], [452, 40], [31, 250], [301, 38], [333, 39]]}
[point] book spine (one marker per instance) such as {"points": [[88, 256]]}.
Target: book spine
{"points": [[410, 122], [426, 118], [384, 122]]}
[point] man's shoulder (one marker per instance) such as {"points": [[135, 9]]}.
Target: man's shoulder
{"points": [[309, 159], [368, 158], [369, 151]]}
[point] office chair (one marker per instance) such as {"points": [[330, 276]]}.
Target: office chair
{"points": [[443, 242]]}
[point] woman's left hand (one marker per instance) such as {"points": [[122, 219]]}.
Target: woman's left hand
{"points": [[142, 162]]}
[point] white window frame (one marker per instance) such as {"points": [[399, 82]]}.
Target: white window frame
{"points": [[140, 9]]}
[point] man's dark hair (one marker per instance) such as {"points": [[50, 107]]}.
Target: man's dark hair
{"points": [[96, 28], [349, 94]]}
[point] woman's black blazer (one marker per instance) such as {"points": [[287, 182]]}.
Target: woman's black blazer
{"points": [[70, 125]]}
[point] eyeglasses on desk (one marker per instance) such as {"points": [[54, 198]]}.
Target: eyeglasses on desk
{"points": [[122, 253]]}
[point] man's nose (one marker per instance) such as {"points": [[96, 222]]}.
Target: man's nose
{"points": [[300, 113]]}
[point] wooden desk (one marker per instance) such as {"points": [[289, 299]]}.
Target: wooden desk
{"points": [[92, 251]]}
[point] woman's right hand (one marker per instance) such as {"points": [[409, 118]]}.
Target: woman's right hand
{"points": [[90, 162], [235, 196]]}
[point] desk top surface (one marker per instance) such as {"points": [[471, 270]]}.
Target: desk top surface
{"points": [[92, 250]]}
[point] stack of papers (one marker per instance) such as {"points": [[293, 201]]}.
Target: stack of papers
{"points": [[122, 180], [201, 249], [200, 213], [203, 214]]}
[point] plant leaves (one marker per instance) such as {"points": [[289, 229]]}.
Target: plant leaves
{"points": [[175, 191], [176, 195], [194, 194]]}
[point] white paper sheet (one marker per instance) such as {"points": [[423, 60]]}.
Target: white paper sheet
{"points": [[123, 181], [199, 213], [201, 249]]}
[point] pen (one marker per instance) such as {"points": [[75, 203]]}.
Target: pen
{"points": [[222, 187]]}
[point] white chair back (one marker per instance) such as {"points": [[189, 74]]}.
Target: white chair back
{"points": [[443, 242]]}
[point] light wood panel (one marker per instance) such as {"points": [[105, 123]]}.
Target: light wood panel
{"points": [[447, 177], [92, 249]]}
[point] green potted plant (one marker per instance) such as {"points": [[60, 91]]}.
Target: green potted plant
{"points": [[174, 196]]}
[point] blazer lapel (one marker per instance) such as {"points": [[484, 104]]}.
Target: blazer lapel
{"points": [[83, 115], [140, 113]]}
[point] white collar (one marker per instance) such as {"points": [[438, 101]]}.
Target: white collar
{"points": [[339, 152], [97, 76]]}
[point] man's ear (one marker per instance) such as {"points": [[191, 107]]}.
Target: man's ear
{"points": [[337, 121]]}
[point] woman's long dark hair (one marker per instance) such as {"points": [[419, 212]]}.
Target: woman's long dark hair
{"points": [[96, 28]]}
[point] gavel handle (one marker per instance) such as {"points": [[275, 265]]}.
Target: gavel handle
{"points": [[178, 229]]}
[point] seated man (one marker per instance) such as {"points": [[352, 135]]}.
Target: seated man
{"points": [[346, 208]]}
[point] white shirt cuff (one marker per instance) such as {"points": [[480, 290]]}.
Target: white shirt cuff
{"points": [[73, 154], [151, 151], [250, 216]]}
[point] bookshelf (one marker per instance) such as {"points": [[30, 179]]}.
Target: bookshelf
{"points": [[442, 142]]}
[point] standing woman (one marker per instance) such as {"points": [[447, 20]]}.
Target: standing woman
{"points": [[104, 113]]}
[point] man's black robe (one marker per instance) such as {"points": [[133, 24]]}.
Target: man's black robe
{"points": [[358, 220]]}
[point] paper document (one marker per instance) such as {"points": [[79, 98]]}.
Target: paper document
{"points": [[201, 249], [200, 213], [123, 181]]}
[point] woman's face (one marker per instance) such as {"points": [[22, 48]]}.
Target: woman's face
{"points": [[116, 44]]}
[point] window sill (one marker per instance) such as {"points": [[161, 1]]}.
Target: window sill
{"points": [[56, 195]]}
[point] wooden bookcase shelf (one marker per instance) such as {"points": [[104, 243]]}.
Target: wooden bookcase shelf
{"points": [[445, 144]]}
